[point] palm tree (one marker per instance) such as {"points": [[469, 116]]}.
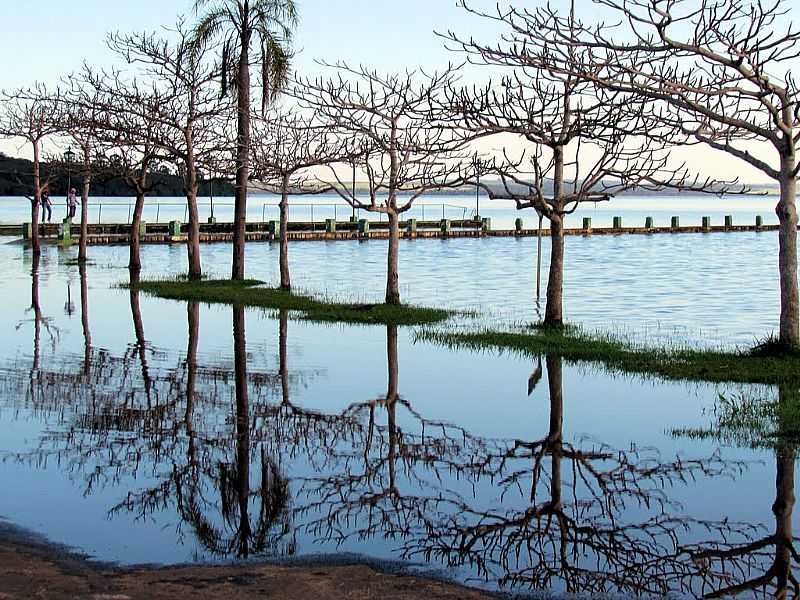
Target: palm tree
{"points": [[244, 26]]}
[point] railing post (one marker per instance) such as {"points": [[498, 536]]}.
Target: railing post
{"points": [[129, 213]]}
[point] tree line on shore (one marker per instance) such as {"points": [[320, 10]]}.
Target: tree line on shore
{"points": [[582, 110], [16, 180]]}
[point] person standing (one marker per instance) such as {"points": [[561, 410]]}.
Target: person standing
{"points": [[72, 203], [47, 205]]}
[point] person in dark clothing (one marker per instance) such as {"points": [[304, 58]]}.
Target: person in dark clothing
{"points": [[47, 206]]}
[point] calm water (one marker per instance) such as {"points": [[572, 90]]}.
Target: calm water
{"points": [[138, 430], [633, 210]]}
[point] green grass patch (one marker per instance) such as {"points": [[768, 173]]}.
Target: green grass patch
{"points": [[752, 421], [252, 293], [689, 364]]}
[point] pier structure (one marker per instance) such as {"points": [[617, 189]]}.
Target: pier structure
{"points": [[359, 229]]}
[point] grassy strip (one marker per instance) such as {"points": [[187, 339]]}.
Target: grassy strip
{"points": [[571, 343], [249, 293]]}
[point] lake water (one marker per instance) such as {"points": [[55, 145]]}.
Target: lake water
{"points": [[633, 209], [140, 430]]}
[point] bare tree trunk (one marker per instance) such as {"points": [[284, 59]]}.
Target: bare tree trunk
{"points": [[553, 313], [193, 240], [242, 159], [135, 261], [37, 198], [392, 271], [242, 429], [286, 283], [787, 254], [87, 182]]}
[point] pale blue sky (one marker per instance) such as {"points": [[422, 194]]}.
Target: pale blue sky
{"points": [[47, 38], [44, 40]]}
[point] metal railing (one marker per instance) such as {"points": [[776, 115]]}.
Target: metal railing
{"points": [[424, 210]]}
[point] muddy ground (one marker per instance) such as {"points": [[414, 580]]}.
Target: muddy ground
{"points": [[37, 571]]}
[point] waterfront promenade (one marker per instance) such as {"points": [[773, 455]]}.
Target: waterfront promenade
{"points": [[362, 229]]}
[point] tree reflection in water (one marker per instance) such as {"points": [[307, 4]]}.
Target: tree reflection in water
{"points": [[765, 564], [220, 442]]}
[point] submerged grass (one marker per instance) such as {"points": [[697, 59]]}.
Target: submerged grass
{"points": [[252, 293], [762, 365]]}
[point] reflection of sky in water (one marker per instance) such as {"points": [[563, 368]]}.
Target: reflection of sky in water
{"points": [[334, 367]]}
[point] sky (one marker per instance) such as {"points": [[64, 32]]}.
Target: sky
{"points": [[45, 40]]}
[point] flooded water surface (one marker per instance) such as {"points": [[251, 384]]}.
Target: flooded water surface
{"points": [[138, 430]]}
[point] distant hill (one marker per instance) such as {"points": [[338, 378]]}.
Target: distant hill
{"points": [[362, 189], [16, 179]]}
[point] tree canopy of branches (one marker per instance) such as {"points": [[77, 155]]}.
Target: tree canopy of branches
{"points": [[192, 116], [405, 150], [589, 143], [717, 72], [31, 115], [285, 146], [84, 112], [130, 138], [245, 25]]}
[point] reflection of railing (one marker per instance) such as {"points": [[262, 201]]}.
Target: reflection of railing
{"points": [[426, 210]]}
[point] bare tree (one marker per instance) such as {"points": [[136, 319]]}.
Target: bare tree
{"points": [[584, 144], [406, 150], [131, 134], [31, 115], [718, 72], [193, 117], [284, 147], [84, 111]]}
